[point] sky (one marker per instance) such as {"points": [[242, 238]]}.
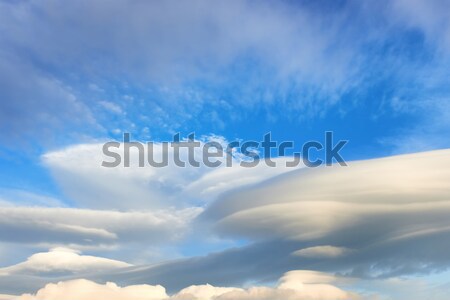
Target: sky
{"points": [[77, 74]]}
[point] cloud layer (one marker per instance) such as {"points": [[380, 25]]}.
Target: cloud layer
{"points": [[294, 285], [378, 218], [73, 226], [312, 204], [379, 208]]}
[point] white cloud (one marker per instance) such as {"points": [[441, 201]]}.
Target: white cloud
{"points": [[295, 285], [206, 292], [429, 17], [293, 50], [121, 207], [78, 171], [268, 30], [86, 290], [62, 260], [111, 107], [322, 252], [287, 45]]}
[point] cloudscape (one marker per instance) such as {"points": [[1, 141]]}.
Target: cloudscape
{"points": [[224, 150]]}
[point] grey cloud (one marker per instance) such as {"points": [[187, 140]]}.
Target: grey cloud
{"points": [[34, 225], [318, 202], [392, 212]]}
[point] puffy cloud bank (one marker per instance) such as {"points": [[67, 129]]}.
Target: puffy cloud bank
{"points": [[294, 285], [82, 289]]}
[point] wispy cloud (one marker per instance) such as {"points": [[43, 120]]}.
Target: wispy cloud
{"points": [[279, 57]]}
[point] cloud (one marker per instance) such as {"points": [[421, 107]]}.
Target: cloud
{"points": [[315, 203], [206, 291], [46, 81], [372, 206], [34, 99], [427, 133], [284, 60], [134, 207], [77, 169], [111, 107], [293, 285], [322, 252], [392, 212], [62, 261], [282, 56], [56, 225], [266, 30], [83, 290], [427, 17], [25, 198]]}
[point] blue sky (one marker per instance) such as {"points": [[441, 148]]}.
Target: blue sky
{"points": [[75, 75]]}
